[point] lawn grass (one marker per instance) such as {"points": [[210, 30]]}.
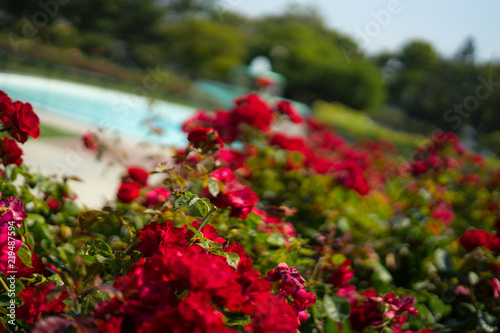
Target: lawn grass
{"points": [[49, 131], [356, 125]]}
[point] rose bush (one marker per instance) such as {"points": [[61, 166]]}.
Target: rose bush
{"points": [[253, 230]]}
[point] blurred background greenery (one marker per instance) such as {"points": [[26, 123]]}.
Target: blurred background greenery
{"points": [[116, 43]]}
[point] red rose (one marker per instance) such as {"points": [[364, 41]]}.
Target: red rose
{"points": [[155, 236], [350, 174], [221, 121], [24, 122], [90, 141], [286, 108], [476, 238], [253, 111], [10, 153], [264, 82], [54, 205], [128, 191], [205, 138], [6, 109], [138, 175], [40, 298], [156, 196], [294, 143]]}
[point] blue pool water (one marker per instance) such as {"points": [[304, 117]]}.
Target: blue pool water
{"points": [[126, 114]]}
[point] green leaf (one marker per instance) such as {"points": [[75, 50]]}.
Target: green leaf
{"points": [[336, 307], [92, 300], [202, 208], [213, 187], [275, 240], [25, 254], [88, 218], [100, 247], [196, 232], [42, 233], [179, 180], [232, 259], [334, 327], [191, 202], [240, 321], [57, 279], [179, 202]]}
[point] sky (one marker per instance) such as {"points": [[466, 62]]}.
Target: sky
{"points": [[379, 25]]}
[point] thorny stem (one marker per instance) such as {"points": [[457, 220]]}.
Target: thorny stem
{"points": [[316, 269], [203, 223], [132, 244], [206, 218]]}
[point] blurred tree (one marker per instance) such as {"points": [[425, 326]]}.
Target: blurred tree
{"points": [[467, 51], [315, 63], [203, 48], [177, 9], [419, 55], [449, 93]]}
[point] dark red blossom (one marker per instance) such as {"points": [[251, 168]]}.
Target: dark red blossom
{"points": [[20, 120], [138, 175], [432, 163], [150, 286], [443, 212], [286, 108], [205, 138], [273, 315], [236, 196], [274, 224], [54, 205], [192, 314], [90, 141], [15, 211], [252, 110], [155, 236], [342, 275], [128, 191], [292, 285], [471, 180], [10, 153], [43, 297], [476, 238], [372, 309], [326, 139], [156, 196], [294, 143], [6, 108], [350, 174], [264, 82], [233, 159], [221, 121]]}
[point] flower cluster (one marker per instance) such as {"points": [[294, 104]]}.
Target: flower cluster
{"points": [[19, 120], [291, 287], [184, 288], [250, 112], [371, 233], [135, 181], [480, 238], [239, 198]]}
